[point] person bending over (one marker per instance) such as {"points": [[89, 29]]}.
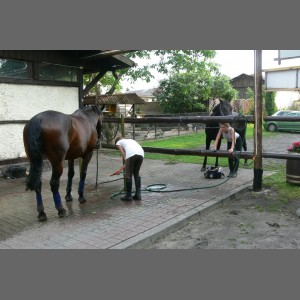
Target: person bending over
{"points": [[133, 155], [234, 142]]}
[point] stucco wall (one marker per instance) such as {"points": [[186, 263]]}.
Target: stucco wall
{"points": [[21, 102]]}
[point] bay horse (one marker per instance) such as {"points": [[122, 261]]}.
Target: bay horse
{"points": [[58, 137]]}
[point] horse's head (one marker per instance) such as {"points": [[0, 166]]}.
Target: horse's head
{"points": [[223, 108], [96, 115]]}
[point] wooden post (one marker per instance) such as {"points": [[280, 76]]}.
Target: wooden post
{"points": [[122, 125], [258, 113]]}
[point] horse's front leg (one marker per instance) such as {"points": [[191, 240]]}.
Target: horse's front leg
{"points": [[245, 147], [208, 141], [70, 179], [218, 148], [57, 170], [84, 165], [39, 204]]}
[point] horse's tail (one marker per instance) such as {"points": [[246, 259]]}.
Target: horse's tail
{"points": [[33, 181]]}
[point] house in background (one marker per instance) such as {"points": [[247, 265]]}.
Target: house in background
{"points": [[152, 106], [241, 84], [147, 94], [283, 99]]}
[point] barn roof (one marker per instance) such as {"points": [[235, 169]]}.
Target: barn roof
{"points": [[242, 76], [130, 98]]}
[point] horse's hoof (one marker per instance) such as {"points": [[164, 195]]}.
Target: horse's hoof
{"points": [[69, 198], [42, 216], [81, 199], [203, 169], [61, 212]]}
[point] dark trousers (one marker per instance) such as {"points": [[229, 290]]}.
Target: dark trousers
{"points": [[233, 161], [132, 166]]}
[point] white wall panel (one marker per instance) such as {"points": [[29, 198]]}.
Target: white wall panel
{"points": [[21, 102]]}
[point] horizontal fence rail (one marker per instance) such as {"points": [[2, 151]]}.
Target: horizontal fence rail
{"points": [[198, 119], [182, 119], [219, 153], [282, 118], [13, 122]]}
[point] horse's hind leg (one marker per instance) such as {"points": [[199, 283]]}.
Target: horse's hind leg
{"points": [[70, 179], [39, 202], [85, 162], [57, 171]]}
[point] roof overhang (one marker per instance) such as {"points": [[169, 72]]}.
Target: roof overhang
{"points": [[90, 61]]}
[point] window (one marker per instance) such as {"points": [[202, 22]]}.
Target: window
{"points": [[57, 73], [32, 72], [14, 68]]}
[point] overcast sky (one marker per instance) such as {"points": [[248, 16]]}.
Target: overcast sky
{"points": [[233, 63]]}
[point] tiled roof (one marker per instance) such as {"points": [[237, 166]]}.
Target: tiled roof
{"points": [[130, 98]]}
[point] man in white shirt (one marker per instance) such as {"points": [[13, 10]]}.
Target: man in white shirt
{"points": [[133, 155]]}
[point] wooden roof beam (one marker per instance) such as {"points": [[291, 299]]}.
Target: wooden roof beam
{"points": [[106, 53]]}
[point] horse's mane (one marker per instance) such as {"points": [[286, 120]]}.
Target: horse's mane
{"points": [[87, 110], [93, 108]]}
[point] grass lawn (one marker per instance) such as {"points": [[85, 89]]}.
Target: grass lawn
{"points": [[285, 192], [190, 141]]}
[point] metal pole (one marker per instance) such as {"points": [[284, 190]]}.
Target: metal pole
{"points": [[133, 125], [123, 135], [258, 113]]}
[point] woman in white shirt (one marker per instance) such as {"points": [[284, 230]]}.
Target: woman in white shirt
{"points": [[133, 155], [234, 142]]}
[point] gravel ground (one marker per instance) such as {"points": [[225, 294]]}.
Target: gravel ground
{"points": [[249, 222]]}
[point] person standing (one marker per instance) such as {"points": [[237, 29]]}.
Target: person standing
{"points": [[234, 143], [133, 155]]}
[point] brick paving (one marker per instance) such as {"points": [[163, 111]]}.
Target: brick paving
{"points": [[104, 221]]}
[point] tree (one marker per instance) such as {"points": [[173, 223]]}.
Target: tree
{"points": [[249, 110], [222, 88], [183, 93], [168, 62], [107, 82], [270, 104], [189, 92]]}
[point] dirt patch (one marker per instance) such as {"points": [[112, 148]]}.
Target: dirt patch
{"points": [[257, 220]]}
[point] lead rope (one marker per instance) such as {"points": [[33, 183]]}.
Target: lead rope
{"points": [[98, 146]]}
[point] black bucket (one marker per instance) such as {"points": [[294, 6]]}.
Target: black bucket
{"points": [[16, 172]]}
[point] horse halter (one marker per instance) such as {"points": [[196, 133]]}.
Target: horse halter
{"points": [[215, 107]]}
